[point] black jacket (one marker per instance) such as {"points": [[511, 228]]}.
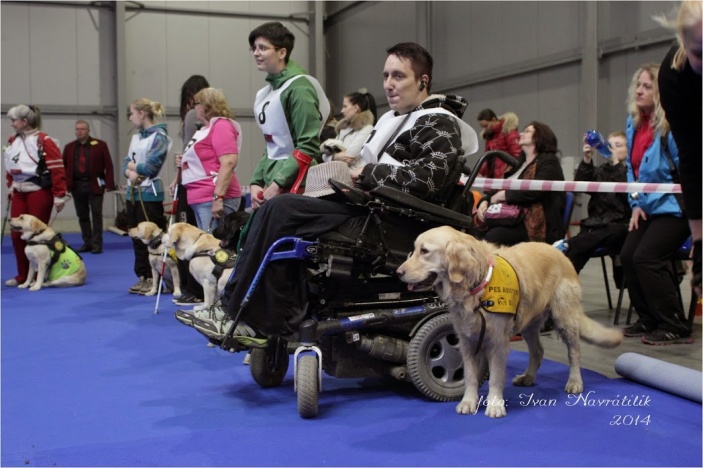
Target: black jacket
{"points": [[554, 203], [604, 208], [680, 93], [548, 168]]}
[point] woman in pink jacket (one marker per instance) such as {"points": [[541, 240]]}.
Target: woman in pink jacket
{"points": [[210, 159]]}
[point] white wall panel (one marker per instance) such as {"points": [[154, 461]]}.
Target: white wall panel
{"points": [[146, 45], [53, 56], [15, 54], [89, 59], [186, 51], [357, 53], [619, 19]]}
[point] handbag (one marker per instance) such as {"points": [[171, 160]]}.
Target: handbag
{"points": [[504, 215]]}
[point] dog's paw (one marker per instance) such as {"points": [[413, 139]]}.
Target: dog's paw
{"points": [[36, 287], [496, 411], [524, 380], [151, 292], [469, 406], [23, 286], [574, 386]]}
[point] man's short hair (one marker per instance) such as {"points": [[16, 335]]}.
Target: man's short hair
{"points": [[420, 60], [83, 122], [278, 35]]}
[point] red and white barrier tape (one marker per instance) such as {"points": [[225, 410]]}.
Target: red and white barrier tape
{"points": [[572, 186]]}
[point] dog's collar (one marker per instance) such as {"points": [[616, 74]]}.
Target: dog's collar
{"points": [[156, 241], [479, 287], [38, 233]]}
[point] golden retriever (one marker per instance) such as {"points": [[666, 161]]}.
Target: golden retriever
{"points": [[456, 265], [152, 235], [198, 247], [53, 262]]}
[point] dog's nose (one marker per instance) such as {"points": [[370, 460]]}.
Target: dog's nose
{"points": [[400, 272]]}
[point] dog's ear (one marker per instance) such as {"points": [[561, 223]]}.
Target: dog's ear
{"points": [[35, 224], [147, 231], [458, 261]]}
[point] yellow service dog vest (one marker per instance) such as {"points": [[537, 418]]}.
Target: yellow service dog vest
{"points": [[502, 293]]}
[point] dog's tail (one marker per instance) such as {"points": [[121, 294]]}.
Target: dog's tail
{"points": [[597, 334]]}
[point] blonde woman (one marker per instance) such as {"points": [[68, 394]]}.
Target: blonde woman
{"points": [[145, 191], [657, 226], [680, 89], [210, 159]]}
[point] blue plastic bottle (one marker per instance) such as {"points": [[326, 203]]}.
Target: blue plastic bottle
{"points": [[561, 245], [597, 141]]}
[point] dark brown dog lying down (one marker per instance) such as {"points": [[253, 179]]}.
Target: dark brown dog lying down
{"points": [[459, 267], [50, 258]]}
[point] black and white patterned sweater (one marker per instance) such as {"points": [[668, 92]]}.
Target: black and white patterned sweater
{"points": [[428, 152]]}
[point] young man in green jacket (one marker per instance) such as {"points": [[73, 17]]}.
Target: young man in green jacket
{"points": [[290, 110]]}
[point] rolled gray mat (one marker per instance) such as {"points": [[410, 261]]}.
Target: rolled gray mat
{"points": [[671, 378]]}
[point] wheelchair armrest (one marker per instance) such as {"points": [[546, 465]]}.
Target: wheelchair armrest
{"points": [[410, 201], [352, 194]]}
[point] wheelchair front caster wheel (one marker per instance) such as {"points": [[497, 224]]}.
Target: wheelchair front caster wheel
{"points": [[269, 365], [307, 383]]}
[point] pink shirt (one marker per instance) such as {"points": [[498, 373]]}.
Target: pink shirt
{"points": [[221, 140]]}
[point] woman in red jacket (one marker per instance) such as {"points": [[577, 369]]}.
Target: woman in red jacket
{"points": [[35, 176], [500, 134]]}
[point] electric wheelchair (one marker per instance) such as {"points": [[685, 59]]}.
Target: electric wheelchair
{"points": [[361, 320]]}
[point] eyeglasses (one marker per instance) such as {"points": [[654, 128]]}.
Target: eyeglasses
{"points": [[261, 48]]}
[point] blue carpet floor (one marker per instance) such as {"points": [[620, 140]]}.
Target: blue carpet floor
{"points": [[92, 377]]}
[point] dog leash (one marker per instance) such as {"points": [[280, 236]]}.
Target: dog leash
{"points": [[475, 290]]}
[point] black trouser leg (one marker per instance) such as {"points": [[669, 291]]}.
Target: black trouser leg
{"points": [[184, 214], [646, 258], [81, 200], [278, 304], [96, 212], [151, 211], [583, 245]]}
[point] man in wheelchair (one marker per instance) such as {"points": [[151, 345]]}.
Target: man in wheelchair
{"points": [[416, 148]]}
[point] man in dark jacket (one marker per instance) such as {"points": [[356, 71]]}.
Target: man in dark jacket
{"points": [[608, 213], [88, 174]]}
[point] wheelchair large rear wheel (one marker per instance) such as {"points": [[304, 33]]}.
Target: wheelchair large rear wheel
{"points": [[435, 365], [263, 366], [307, 383]]}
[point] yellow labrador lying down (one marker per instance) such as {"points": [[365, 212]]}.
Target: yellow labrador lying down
{"points": [[50, 258], [152, 235], [202, 250], [474, 280]]}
